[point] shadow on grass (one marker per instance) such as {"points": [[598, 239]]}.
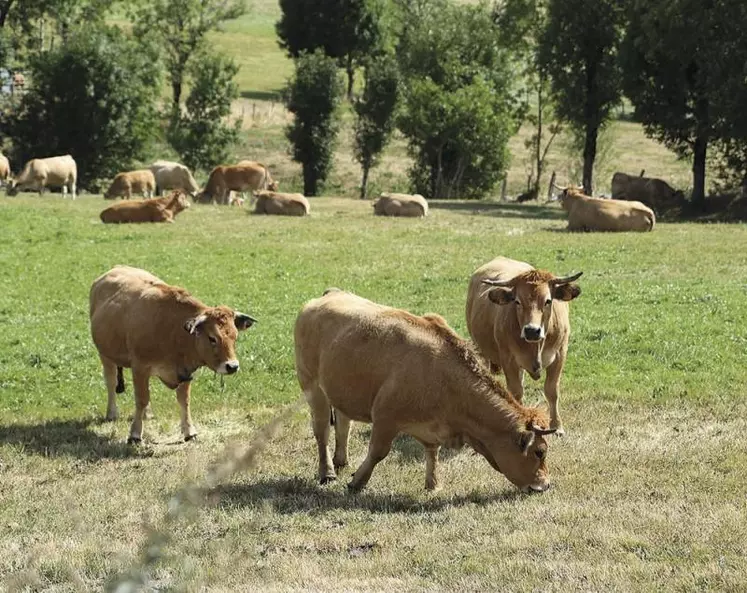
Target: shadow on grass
{"points": [[295, 495], [68, 438], [262, 95], [501, 210], [410, 449]]}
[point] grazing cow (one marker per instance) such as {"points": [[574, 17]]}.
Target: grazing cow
{"points": [[4, 169], [246, 176], [270, 202], [170, 175], [413, 205], [521, 323], [39, 174], [139, 322], [408, 374], [654, 193], [595, 214], [132, 182], [156, 210]]}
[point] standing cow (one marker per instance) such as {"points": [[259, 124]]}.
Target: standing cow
{"points": [[247, 176], [4, 169], [518, 318], [173, 176], [140, 322], [127, 183], [39, 174]]}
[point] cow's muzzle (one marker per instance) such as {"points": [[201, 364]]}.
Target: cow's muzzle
{"points": [[536, 488], [229, 367], [533, 333]]}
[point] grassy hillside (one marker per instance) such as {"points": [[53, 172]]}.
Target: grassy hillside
{"points": [[648, 483]]}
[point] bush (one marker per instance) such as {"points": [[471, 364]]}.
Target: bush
{"points": [[313, 96], [202, 135], [94, 98]]}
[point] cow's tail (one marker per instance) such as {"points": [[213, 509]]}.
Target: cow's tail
{"points": [[120, 381]]}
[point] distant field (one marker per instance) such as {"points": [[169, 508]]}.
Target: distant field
{"points": [[648, 484]]}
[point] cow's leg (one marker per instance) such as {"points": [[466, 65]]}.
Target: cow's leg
{"points": [[342, 435], [514, 379], [141, 387], [431, 467], [320, 415], [64, 192], [552, 391], [382, 435], [182, 396], [73, 188], [110, 378]]}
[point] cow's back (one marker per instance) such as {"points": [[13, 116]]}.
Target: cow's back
{"points": [[4, 168], [59, 170]]}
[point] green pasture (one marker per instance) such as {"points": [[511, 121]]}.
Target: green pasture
{"points": [[648, 483]]}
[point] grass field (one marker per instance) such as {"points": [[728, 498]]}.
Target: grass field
{"points": [[648, 483]]}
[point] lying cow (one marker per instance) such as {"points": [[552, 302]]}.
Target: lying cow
{"points": [[4, 169], [139, 322], [654, 193], [170, 175], [401, 205], [414, 375], [521, 323], [595, 214], [132, 182], [270, 202], [247, 176], [156, 210], [39, 174]]}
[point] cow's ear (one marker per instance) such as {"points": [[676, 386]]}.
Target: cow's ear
{"points": [[526, 438], [243, 321], [501, 296], [193, 325], [566, 292]]}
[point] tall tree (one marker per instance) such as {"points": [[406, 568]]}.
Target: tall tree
{"points": [[347, 30], [685, 66], [579, 50], [181, 26]]}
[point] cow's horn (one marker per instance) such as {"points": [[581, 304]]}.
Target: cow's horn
{"points": [[538, 430], [492, 282], [566, 279]]}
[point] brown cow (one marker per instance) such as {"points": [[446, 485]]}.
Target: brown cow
{"points": [[4, 169], [156, 210], [127, 183], [414, 375], [246, 176], [595, 214], [521, 323], [654, 193], [413, 205], [270, 202], [139, 322]]}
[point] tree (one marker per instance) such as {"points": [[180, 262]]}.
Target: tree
{"points": [[313, 96], [347, 30], [181, 26], [684, 64], [375, 112], [579, 50], [201, 135], [458, 108], [95, 98]]}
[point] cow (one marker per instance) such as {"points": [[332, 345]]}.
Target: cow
{"points": [[246, 176], [170, 175], [595, 214], [654, 193], [4, 169], [140, 322], [156, 210], [360, 361], [518, 319], [39, 174], [127, 183], [270, 202], [413, 205]]}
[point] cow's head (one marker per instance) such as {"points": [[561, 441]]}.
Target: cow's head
{"points": [[273, 186], [520, 454], [12, 189], [215, 331], [178, 202], [531, 294]]}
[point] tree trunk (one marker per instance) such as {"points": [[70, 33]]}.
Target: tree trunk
{"points": [[4, 10], [176, 90], [538, 146], [590, 154], [364, 182], [700, 149], [309, 181], [350, 69]]}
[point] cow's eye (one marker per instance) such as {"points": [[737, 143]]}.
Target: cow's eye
{"points": [[548, 302], [517, 302], [213, 341], [540, 453]]}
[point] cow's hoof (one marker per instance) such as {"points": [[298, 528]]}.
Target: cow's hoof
{"points": [[191, 437], [327, 480], [354, 488], [134, 441], [338, 465], [111, 418]]}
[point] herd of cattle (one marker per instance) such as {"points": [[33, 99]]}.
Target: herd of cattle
{"points": [[633, 207]]}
